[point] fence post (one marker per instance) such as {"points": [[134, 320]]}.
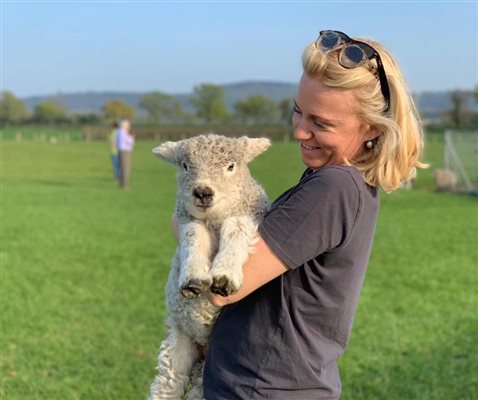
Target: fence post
{"points": [[87, 134]]}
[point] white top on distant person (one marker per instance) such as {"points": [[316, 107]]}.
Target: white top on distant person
{"points": [[125, 144]]}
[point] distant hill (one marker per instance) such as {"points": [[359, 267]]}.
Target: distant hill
{"points": [[85, 102], [93, 101], [429, 103]]}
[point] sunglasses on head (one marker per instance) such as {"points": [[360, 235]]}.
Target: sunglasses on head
{"points": [[353, 54]]}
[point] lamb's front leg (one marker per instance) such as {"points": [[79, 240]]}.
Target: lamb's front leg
{"points": [[238, 235], [195, 248]]}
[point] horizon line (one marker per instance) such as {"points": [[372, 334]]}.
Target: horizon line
{"points": [[144, 91]]}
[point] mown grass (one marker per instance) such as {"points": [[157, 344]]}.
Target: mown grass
{"points": [[83, 266], [41, 133]]}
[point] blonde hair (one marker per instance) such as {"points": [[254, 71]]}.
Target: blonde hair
{"points": [[395, 155]]}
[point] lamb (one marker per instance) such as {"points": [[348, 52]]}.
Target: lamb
{"points": [[218, 208], [445, 180]]}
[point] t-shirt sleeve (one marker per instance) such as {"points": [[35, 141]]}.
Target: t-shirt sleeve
{"points": [[317, 217]]}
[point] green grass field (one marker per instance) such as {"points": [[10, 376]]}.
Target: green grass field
{"points": [[83, 266]]}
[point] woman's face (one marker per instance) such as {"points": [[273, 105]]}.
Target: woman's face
{"points": [[325, 123]]}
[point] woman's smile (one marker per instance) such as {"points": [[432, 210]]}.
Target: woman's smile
{"points": [[309, 147]]}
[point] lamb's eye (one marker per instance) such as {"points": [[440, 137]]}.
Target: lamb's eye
{"points": [[230, 168], [185, 166]]}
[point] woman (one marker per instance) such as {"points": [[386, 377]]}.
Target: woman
{"points": [[125, 144], [114, 151], [280, 336]]}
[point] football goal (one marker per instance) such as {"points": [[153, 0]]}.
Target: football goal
{"points": [[461, 158]]}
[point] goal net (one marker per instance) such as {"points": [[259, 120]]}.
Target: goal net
{"points": [[461, 158]]}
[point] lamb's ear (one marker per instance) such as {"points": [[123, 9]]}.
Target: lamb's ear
{"points": [[166, 152], [255, 146]]}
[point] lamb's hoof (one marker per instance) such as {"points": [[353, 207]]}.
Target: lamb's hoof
{"points": [[222, 286], [194, 288]]}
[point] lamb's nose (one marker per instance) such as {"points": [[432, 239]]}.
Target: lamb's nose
{"points": [[204, 194]]}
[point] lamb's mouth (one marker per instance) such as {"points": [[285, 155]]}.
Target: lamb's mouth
{"points": [[202, 207]]}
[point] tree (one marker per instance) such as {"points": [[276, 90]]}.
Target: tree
{"points": [[257, 109], [117, 109], [286, 107], [50, 111], [459, 111], [88, 119], [474, 116], [161, 106], [209, 103], [12, 109]]}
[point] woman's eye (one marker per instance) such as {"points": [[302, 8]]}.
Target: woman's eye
{"points": [[185, 166], [296, 110], [319, 125], [230, 168]]}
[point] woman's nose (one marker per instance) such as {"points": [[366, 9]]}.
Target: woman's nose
{"points": [[301, 132]]}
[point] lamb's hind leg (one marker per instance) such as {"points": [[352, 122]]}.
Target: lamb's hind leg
{"points": [[196, 392], [177, 355]]}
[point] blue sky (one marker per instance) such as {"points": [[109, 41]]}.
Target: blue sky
{"points": [[64, 46]]}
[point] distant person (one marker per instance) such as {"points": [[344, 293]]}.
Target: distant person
{"points": [[125, 144], [114, 151]]}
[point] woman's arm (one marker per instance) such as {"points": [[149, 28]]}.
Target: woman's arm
{"points": [[261, 267]]}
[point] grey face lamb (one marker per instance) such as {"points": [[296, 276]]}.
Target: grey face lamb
{"points": [[212, 173], [218, 207]]}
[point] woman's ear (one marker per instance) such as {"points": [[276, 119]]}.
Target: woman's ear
{"points": [[371, 133]]}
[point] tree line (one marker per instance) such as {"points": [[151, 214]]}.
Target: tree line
{"points": [[160, 108], [209, 108]]}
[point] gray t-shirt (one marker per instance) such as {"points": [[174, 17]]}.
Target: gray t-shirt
{"points": [[283, 340]]}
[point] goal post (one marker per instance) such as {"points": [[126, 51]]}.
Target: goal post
{"points": [[461, 158]]}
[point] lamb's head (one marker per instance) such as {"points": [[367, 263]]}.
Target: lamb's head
{"points": [[211, 170]]}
